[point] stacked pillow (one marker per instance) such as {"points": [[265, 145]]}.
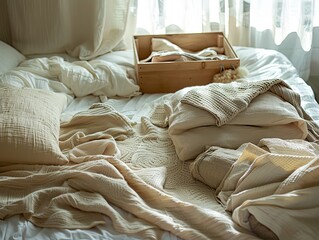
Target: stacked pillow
{"points": [[10, 57]]}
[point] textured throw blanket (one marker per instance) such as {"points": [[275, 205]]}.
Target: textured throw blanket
{"points": [[79, 195]]}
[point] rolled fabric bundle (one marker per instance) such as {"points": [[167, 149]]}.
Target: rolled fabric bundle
{"points": [[211, 166]]}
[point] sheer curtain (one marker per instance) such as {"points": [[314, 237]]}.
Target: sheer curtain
{"points": [[283, 25], [82, 28], [86, 29]]}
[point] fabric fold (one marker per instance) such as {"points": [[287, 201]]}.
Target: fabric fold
{"points": [[277, 187], [98, 184], [229, 115], [79, 78]]}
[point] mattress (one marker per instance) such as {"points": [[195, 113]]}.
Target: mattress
{"points": [[261, 64]]}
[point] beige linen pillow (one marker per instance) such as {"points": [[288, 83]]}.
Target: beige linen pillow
{"points": [[30, 125]]}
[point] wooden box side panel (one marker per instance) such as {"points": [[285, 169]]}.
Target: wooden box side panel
{"points": [[172, 81]]}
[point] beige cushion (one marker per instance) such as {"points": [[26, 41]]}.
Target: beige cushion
{"points": [[30, 125]]}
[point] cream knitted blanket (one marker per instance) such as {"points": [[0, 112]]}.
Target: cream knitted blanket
{"points": [[225, 101], [79, 195]]}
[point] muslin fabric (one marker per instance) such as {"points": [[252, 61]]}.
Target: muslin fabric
{"points": [[30, 126]]}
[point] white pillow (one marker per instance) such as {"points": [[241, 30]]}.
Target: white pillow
{"points": [[9, 57], [30, 126]]}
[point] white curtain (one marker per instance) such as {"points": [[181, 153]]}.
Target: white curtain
{"points": [[283, 25], [82, 28], [88, 28]]}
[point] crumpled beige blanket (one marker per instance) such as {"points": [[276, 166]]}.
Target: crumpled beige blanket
{"points": [[275, 186], [228, 115], [79, 195]]}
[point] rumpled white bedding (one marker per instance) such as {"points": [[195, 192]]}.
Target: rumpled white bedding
{"points": [[79, 78], [261, 64]]}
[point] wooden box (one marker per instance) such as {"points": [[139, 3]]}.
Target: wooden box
{"points": [[166, 77]]}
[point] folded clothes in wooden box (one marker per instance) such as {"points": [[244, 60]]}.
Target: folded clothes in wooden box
{"points": [[167, 63]]}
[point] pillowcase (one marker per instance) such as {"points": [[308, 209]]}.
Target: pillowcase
{"points": [[10, 57], [30, 126]]}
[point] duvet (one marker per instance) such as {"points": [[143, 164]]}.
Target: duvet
{"points": [[79, 78]]}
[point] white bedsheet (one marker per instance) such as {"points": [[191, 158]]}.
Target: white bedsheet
{"points": [[261, 64]]}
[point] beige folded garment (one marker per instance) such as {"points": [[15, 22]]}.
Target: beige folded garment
{"points": [[228, 115], [211, 166]]}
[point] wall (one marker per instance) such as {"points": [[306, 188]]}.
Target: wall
{"points": [[314, 66]]}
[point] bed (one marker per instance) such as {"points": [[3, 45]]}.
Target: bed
{"points": [[125, 165]]}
